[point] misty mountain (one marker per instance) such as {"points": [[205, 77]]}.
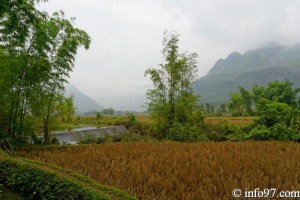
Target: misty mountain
{"points": [[258, 66], [82, 102]]}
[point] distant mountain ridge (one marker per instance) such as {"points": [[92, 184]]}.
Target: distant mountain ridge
{"points": [[82, 102], [258, 66]]}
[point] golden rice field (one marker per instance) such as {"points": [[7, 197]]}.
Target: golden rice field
{"points": [[240, 121], [169, 170]]}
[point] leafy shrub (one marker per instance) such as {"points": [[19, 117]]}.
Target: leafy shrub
{"points": [[271, 112], [119, 137], [184, 133], [36, 139], [295, 122], [280, 132], [296, 137], [220, 131], [98, 115], [126, 137], [105, 138], [131, 117], [216, 136], [261, 133], [41, 184], [88, 138], [54, 141]]}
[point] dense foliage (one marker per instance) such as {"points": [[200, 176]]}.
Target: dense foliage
{"points": [[37, 52], [172, 103], [277, 109], [38, 180], [38, 184]]}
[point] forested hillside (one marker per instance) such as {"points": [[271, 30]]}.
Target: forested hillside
{"points": [[259, 66]]}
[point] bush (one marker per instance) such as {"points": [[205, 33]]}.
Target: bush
{"points": [[127, 137], [36, 140], [184, 133], [98, 115], [88, 138], [103, 139], [295, 122], [131, 118], [36, 183], [296, 137], [271, 112], [54, 141], [220, 131], [261, 133], [280, 132], [119, 137], [216, 136]]}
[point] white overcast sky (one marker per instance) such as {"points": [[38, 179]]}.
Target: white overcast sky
{"points": [[127, 36]]}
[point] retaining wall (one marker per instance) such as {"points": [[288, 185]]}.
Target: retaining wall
{"points": [[72, 137]]}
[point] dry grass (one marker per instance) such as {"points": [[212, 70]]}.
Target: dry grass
{"points": [[145, 118], [170, 170], [214, 120], [242, 121]]}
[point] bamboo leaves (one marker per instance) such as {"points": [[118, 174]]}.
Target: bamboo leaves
{"points": [[171, 99], [37, 53]]}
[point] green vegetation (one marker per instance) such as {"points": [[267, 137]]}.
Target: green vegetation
{"points": [[37, 52], [38, 180], [33, 183], [8, 193], [172, 103], [258, 66], [276, 107], [108, 111]]}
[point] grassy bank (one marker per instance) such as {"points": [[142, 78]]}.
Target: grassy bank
{"points": [[38, 180]]}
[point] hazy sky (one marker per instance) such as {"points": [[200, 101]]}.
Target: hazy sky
{"points": [[127, 36]]}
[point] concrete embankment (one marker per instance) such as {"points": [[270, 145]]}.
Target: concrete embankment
{"points": [[72, 137]]}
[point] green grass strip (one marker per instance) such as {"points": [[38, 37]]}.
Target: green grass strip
{"points": [[111, 191], [40, 183]]}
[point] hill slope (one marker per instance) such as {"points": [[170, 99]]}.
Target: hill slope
{"points": [[82, 102], [258, 66]]}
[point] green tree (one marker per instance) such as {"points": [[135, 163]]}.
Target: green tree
{"points": [[172, 100], [22, 51], [37, 53], [242, 103], [98, 115], [247, 100], [108, 111], [209, 108], [223, 108], [282, 92], [65, 40], [66, 108], [236, 105], [272, 112]]}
